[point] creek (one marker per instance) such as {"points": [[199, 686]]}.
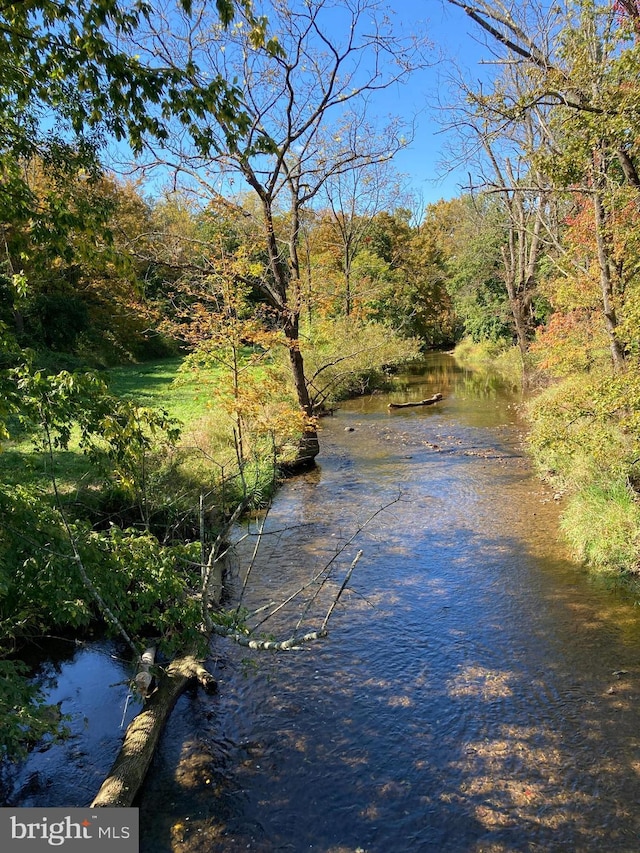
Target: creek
{"points": [[477, 692]]}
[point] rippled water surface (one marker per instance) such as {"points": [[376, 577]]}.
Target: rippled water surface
{"points": [[477, 692], [465, 699]]}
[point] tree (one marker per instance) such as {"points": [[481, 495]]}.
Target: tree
{"points": [[581, 78], [63, 81], [68, 58], [507, 144], [83, 295], [62, 76], [306, 92], [525, 208], [405, 268], [470, 235], [353, 199]]}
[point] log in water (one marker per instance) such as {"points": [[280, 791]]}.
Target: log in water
{"points": [[429, 402]]}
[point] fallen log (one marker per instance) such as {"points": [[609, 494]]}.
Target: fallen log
{"points": [[435, 399], [128, 772]]}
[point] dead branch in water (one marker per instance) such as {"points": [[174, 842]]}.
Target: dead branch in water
{"points": [[143, 734], [128, 771], [435, 399]]}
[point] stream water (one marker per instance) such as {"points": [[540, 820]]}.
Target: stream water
{"points": [[477, 691]]}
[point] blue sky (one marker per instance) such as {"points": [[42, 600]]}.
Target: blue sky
{"points": [[456, 37]]}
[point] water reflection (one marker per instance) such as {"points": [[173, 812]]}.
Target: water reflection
{"points": [[88, 682], [442, 372]]}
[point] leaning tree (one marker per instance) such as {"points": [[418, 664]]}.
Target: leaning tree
{"points": [[308, 86]]}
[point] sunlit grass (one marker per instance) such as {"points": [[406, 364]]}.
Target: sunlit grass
{"points": [[205, 459], [161, 384], [602, 523], [23, 464], [150, 385]]}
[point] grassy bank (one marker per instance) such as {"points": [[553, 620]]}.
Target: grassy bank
{"points": [[155, 483], [584, 439], [234, 426], [237, 417]]}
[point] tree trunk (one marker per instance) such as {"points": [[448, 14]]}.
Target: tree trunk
{"points": [[289, 307], [435, 399], [628, 167], [347, 277], [130, 767], [606, 283], [519, 314], [309, 445], [518, 310]]}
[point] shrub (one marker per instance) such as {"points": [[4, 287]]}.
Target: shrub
{"points": [[583, 430], [346, 357], [585, 438]]}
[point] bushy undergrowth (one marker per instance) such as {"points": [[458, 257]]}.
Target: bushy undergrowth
{"points": [[346, 358], [145, 583], [570, 444], [584, 438], [602, 524]]}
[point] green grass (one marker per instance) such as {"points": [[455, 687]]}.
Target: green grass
{"points": [[23, 465], [150, 384], [154, 385], [602, 524]]}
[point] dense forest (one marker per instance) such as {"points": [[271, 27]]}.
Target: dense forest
{"points": [[256, 232]]}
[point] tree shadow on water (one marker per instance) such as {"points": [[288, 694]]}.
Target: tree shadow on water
{"points": [[468, 715]]}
